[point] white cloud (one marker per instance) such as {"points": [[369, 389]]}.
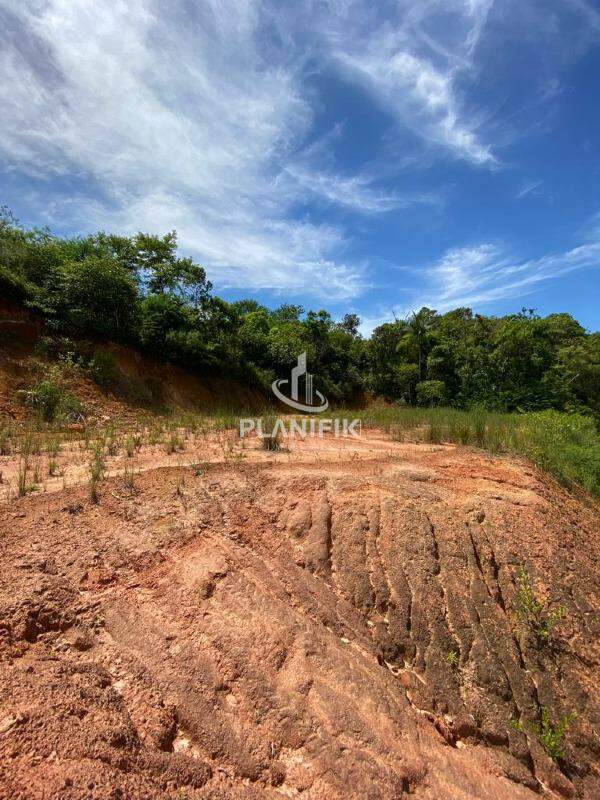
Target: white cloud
{"points": [[412, 66], [477, 275], [181, 121], [197, 117], [528, 187], [420, 95], [355, 192], [474, 276]]}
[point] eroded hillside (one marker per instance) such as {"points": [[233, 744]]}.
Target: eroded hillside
{"points": [[339, 621]]}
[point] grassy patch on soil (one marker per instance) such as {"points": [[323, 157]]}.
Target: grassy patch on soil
{"points": [[565, 445]]}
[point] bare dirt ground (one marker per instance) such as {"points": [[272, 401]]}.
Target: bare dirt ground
{"points": [[261, 625]]}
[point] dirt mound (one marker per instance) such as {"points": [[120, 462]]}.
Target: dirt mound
{"points": [[282, 624]]}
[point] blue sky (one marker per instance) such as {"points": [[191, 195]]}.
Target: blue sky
{"points": [[363, 157]]}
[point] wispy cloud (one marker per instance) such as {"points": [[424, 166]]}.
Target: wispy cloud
{"points": [[178, 121], [211, 119], [529, 187], [474, 276], [412, 71], [355, 192]]}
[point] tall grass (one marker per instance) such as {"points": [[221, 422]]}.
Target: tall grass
{"points": [[96, 470]]}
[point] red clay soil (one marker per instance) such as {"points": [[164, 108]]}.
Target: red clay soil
{"points": [[278, 625]]}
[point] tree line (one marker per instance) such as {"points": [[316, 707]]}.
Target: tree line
{"points": [[139, 291]]}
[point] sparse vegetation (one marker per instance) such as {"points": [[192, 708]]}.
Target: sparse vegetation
{"points": [[129, 477], [550, 734], [452, 659], [96, 470], [270, 436], [533, 611], [49, 398], [174, 442], [23, 484], [6, 441], [565, 445]]}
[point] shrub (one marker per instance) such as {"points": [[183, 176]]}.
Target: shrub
{"points": [[452, 659], [96, 470], [550, 735], [533, 611], [51, 401], [102, 368]]}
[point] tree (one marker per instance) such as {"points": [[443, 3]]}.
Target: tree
{"points": [[406, 378], [161, 315], [350, 324], [431, 393], [418, 336], [97, 296]]}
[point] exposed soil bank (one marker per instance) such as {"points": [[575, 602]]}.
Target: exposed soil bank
{"points": [[267, 625]]}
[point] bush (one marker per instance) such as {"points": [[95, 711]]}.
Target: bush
{"points": [[51, 401], [533, 611], [102, 368]]}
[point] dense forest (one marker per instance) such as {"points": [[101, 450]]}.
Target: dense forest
{"points": [[140, 292]]}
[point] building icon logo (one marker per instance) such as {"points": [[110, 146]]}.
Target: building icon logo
{"points": [[309, 391]]}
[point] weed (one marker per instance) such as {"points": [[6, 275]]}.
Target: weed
{"points": [[271, 443], [129, 477], [452, 659], [129, 446], [565, 445], [53, 446], [434, 432], [550, 735], [6, 441], [111, 442], [155, 435], [23, 486], [269, 434], [533, 611], [174, 443], [53, 449], [96, 470], [102, 368]]}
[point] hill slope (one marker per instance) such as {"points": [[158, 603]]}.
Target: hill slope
{"points": [[268, 625], [137, 382]]}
